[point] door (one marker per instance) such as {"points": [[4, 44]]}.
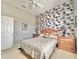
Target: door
{"points": [[6, 32]]}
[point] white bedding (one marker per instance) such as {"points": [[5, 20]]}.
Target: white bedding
{"points": [[39, 48]]}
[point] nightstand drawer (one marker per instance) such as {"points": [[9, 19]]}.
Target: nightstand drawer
{"points": [[66, 43], [66, 46], [67, 49]]}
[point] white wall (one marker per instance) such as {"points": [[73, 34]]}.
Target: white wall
{"points": [[19, 18]]}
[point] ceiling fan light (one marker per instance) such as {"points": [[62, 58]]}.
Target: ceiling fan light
{"points": [[39, 5]]}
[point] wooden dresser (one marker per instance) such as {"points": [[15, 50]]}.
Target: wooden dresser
{"points": [[66, 43]]}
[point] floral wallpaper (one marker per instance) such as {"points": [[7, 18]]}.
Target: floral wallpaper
{"points": [[61, 18]]}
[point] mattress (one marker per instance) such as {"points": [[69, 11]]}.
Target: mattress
{"points": [[39, 48]]}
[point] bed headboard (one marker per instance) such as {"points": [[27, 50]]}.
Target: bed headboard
{"points": [[48, 30]]}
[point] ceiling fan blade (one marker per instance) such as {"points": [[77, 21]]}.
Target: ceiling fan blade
{"points": [[26, 1], [39, 5], [33, 6], [34, 1]]}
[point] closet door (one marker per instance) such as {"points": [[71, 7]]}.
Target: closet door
{"points": [[6, 32]]}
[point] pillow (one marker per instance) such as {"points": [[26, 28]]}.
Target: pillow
{"points": [[45, 35], [41, 35], [53, 36]]}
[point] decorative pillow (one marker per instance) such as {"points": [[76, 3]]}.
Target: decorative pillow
{"points": [[49, 33], [45, 35], [41, 35], [53, 36]]}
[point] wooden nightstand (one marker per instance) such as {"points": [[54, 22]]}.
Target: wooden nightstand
{"points": [[35, 35], [66, 43]]}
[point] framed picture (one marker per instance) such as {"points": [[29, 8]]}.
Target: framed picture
{"points": [[24, 26]]}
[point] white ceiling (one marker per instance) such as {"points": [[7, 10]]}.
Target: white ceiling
{"points": [[26, 6]]}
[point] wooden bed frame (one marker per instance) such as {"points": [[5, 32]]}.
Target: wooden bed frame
{"points": [[28, 56], [47, 30]]}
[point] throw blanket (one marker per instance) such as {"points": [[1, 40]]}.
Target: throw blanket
{"points": [[39, 48]]}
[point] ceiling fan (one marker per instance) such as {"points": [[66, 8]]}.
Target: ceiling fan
{"points": [[34, 3]]}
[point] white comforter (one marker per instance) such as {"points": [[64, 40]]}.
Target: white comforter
{"points": [[39, 48]]}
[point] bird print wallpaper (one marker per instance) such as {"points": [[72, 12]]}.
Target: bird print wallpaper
{"points": [[61, 18]]}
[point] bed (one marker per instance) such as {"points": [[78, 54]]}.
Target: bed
{"points": [[39, 48]]}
